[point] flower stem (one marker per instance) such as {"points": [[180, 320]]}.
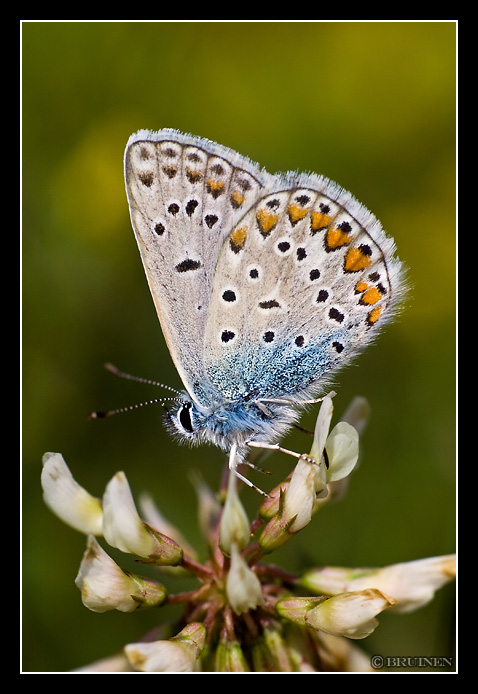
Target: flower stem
{"points": [[199, 570]]}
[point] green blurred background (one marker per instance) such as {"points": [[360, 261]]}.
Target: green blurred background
{"points": [[370, 105]]}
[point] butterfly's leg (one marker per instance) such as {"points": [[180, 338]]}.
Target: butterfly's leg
{"points": [[276, 447], [233, 462], [279, 401]]}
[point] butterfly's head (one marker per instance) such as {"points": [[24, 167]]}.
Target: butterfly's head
{"points": [[191, 423], [186, 421]]}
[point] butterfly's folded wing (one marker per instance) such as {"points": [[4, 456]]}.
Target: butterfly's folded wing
{"points": [[264, 284]]}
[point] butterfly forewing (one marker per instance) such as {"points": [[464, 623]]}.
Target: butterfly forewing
{"points": [[184, 199]]}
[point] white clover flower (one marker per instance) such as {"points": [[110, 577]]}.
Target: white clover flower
{"points": [[301, 494], [342, 447], [312, 474], [105, 586], [243, 587], [411, 584], [347, 614], [235, 526], [67, 499], [124, 529], [322, 427], [179, 654], [122, 526]]}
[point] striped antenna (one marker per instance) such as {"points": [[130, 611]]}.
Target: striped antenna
{"points": [[121, 374], [99, 414]]}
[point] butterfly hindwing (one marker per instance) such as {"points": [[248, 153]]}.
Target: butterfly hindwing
{"points": [[301, 284]]}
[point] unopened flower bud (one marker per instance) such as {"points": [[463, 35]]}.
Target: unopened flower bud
{"points": [[278, 650], [277, 531], [243, 588], [105, 586], [229, 657], [411, 584], [270, 506], [270, 653], [124, 529], [178, 654], [347, 614], [235, 526], [308, 481]]}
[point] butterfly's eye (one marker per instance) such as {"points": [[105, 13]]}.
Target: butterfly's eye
{"points": [[185, 417]]}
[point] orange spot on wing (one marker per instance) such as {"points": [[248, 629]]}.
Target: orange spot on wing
{"points": [[215, 185], [266, 220], [356, 260], [296, 213], [337, 238], [238, 238], [361, 286], [374, 315], [371, 296], [319, 220], [238, 198]]}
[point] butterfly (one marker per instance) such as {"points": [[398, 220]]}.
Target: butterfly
{"points": [[264, 285]]}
